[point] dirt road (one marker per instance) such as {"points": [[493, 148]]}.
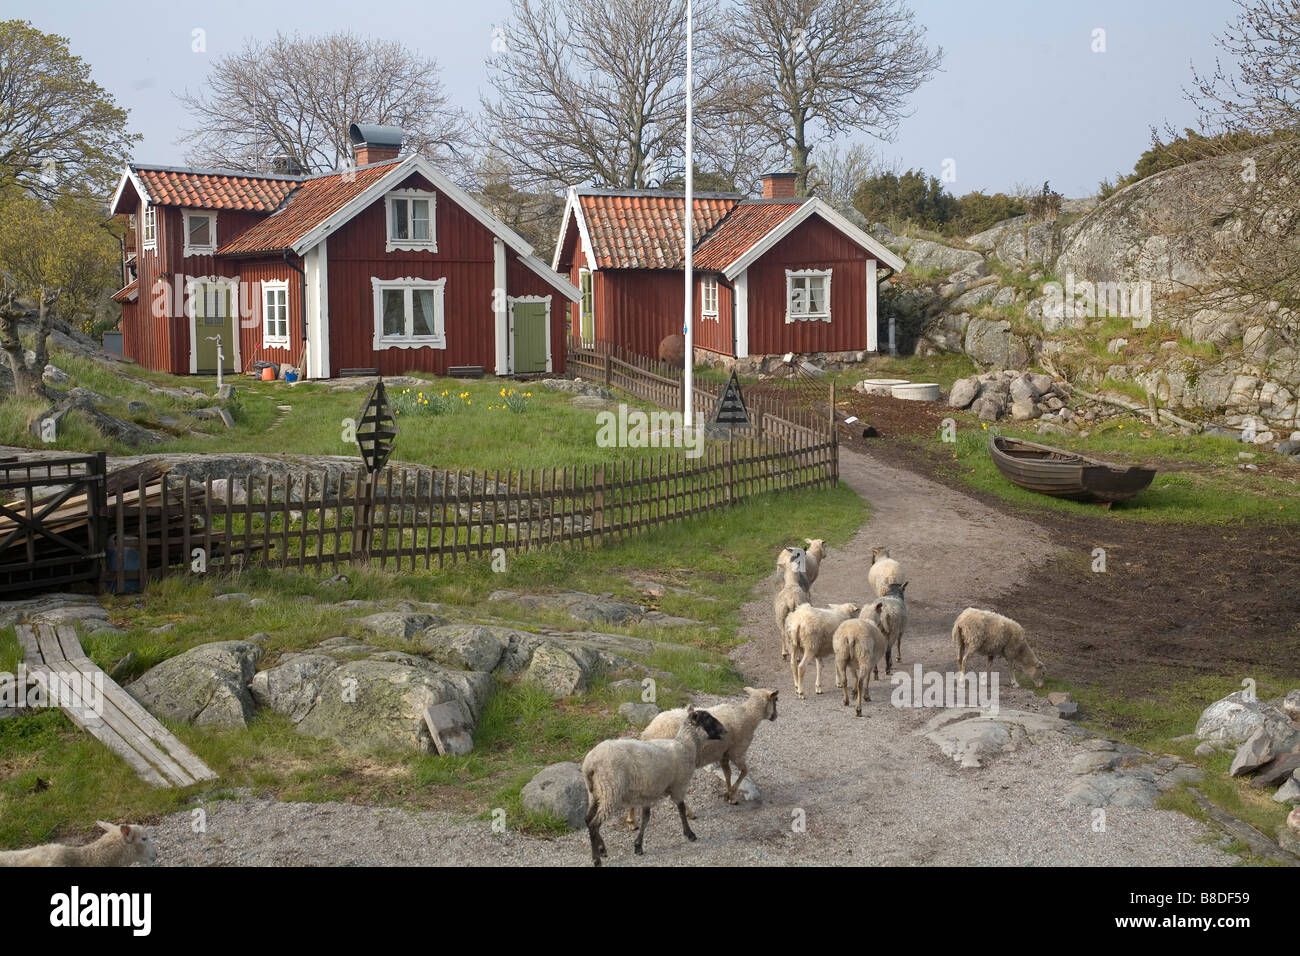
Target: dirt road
{"points": [[834, 788]]}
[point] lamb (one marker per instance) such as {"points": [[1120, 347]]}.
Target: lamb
{"points": [[884, 573], [892, 619], [809, 631], [983, 632], [119, 846], [636, 773], [792, 595], [807, 559], [859, 644]]}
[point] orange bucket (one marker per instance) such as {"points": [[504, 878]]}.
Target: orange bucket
{"points": [[268, 374]]}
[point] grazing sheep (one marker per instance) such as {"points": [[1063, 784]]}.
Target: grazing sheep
{"points": [[791, 596], [811, 558], [885, 572], [809, 631], [892, 619], [636, 773], [119, 846], [859, 644], [984, 632]]}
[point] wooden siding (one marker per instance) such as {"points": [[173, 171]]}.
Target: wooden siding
{"points": [[714, 334], [812, 245], [252, 273]]}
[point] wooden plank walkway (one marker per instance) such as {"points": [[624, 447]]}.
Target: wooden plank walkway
{"points": [[119, 722]]}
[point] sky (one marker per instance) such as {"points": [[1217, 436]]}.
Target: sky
{"points": [[1029, 90]]}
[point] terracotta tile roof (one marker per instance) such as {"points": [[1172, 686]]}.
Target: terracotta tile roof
{"points": [[744, 226], [643, 230], [214, 190], [127, 292], [313, 201]]}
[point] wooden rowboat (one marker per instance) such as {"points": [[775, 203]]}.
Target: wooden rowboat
{"points": [[1065, 474]]}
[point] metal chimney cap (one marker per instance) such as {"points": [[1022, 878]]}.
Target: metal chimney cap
{"points": [[371, 134]]}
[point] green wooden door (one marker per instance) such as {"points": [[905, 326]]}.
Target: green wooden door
{"points": [[212, 317], [530, 337]]}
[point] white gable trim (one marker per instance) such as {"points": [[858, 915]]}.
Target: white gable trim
{"points": [[418, 164], [573, 207], [813, 207], [127, 176]]}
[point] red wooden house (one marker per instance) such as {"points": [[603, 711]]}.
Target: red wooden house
{"points": [[387, 265], [773, 275]]}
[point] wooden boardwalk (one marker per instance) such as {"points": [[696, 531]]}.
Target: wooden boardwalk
{"points": [[120, 723]]}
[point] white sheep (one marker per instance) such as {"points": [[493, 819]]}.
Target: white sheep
{"points": [[884, 573], [792, 595], [983, 632], [637, 773], [859, 645], [119, 846], [740, 720], [809, 631], [891, 618], [807, 559]]}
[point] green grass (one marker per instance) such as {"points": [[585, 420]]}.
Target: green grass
{"points": [[718, 557], [1216, 493]]}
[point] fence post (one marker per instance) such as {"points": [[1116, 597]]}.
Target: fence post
{"points": [[598, 501], [608, 369]]}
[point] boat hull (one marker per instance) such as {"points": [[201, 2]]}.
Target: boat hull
{"points": [[1063, 474]]}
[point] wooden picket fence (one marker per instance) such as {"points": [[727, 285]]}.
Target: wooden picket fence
{"points": [[140, 524]]}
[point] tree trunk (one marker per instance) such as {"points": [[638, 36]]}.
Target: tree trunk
{"points": [[27, 378], [799, 153]]}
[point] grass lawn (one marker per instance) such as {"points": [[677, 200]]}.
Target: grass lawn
{"points": [[717, 557]]}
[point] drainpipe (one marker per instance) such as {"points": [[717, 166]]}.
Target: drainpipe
{"points": [[302, 307]]}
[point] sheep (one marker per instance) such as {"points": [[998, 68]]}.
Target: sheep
{"points": [[859, 644], [983, 632], [809, 631], [119, 846], [636, 773], [811, 558], [792, 595], [892, 619], [740, 719], [884, 573]]}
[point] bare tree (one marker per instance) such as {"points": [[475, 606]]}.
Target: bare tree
{"points": [[810, 70], [60, 132], [534, 215], [835, 177], [296, 96], [592, 91]]}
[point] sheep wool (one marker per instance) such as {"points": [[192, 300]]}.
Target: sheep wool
{"points": [[978, 631], [884, 573], [891, 618], [859, 644], [787, 600], [121, 845], [809, 631]]}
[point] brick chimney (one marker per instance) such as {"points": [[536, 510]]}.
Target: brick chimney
{"points": [[374, 144], [778, 185]]}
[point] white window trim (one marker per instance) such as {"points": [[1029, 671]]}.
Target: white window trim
{"points": [[789, 287], [149, 236], [583, 271], [211, 247], [704, 283], [270, 341], [232, 282], [436, 341], [546, 299], [411, 245]]}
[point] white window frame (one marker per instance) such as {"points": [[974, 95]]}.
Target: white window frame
{"points": [[708, 284], [410, 245], [410, 341], [588, 276], [149, 228], [211, 217], [790, 276], [270, 341]]}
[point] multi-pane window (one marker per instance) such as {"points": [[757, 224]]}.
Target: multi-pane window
{"points": [[275, 315], [150, 226], [586, 310], [709, 296], [409, 313], [808, 295], [410, 221]]}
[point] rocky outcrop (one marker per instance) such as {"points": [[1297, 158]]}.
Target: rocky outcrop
{"points": [[558, 791], [206, 685]]}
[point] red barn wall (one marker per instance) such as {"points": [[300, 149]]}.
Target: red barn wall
{"points": [[812, 245], [252, 273], [714, 334]]}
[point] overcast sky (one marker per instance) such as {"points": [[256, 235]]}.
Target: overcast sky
{"points": [[1022, 97]]}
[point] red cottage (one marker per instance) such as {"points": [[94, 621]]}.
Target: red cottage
{"points": [[385, 266], [773, 275]]}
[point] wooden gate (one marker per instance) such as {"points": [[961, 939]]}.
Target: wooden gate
{"points": [[53, 522]]}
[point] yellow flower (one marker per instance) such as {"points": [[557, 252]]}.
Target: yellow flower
{"points": [[503, 393]]}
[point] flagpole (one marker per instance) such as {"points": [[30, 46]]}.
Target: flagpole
{"points": [[688, 384]]}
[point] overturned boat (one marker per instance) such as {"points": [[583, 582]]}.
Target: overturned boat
{"points": [[1066, 474]]}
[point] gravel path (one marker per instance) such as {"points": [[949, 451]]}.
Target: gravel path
{"points": [[867, 791]]}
